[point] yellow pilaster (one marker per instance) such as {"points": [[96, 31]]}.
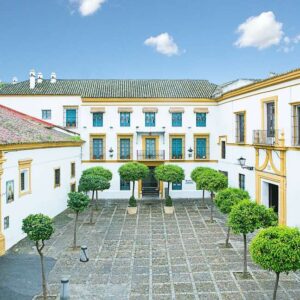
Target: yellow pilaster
{"points": [[2, 238]]}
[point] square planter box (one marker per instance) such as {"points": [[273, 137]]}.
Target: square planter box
{"points": [[169, 210], [131, 210]]}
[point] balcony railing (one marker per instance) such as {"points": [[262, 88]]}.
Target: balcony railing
{"points": [[266, 137], [150, 155]]}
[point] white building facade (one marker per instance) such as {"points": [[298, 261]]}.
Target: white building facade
{"points": [[189, 123]]}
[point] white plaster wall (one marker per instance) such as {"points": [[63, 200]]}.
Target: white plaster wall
{"points": [[44, 197]]}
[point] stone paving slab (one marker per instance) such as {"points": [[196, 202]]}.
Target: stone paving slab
{"points": [[156, 256]]}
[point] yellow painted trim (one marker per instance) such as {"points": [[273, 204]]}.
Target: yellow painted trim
{"points": [[264, 101], [25, 165], [97, 136], [207, 137], [176, 136], [242, 112], [144, 137], [2, 237], [57, 185], [124, 136], [222, 138], [146, 100]]}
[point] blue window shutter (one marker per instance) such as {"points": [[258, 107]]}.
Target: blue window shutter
{"points": [[124, 119], [97, 148], [201, 148], [124, 148], [177, 148], [200, 119], [176, 119], [98, 119], [177, 186]]}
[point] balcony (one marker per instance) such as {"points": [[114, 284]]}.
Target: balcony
{"points": [[150, 155], [266, 137]]}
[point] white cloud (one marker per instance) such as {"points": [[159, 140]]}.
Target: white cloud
{"points": [[88, 7], [163, 43], [261, 31], [288, 44]]}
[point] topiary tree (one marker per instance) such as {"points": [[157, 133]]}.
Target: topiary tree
{"points": [[39, 229], [277, 249], [169, 174], [194, 175], [212, 181], [132, 172], [226, 199], [77, 202], [92, 182], [246, 217]]}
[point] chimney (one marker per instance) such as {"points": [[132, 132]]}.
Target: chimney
{"points": [[53, 77], [32, 79], [14, 80], [39, 77], [272, 74]]}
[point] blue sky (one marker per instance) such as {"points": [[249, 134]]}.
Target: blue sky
{"points": [[149, 39]]}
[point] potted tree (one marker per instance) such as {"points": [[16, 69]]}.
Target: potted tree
{"points": [[212, 181], [194, 175], [169, 174], [78, 202], [226, 199], [39, 229], [246, 217], [277, 249], [131, 172]]}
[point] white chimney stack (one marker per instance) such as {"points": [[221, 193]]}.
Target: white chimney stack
{"points": [[53, 77], [39, 77], [14, 80], [32, 79], [272, 74]]}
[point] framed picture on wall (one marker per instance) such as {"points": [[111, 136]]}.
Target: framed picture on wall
{"points": [[10, 191]]}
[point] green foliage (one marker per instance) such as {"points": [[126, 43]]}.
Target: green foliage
{"points": [[211, 180], [93, 182], [169, 201], [38, 227], [277, 249], [132, 201], [78, 202], [247, 216], [100, 171], [229, 197], [169, 173], [133, 171], [197, 172]]}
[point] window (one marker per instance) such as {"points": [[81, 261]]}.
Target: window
{"points": [[6, 222], [150, 147], [125, 119], [56, 177], [124, 148], [70, 116], [270, 107], [242, 181], [200, 119], [296, 125], [73, 187], [223, 149], [201, 147], [24, 177], [124, 185], [46, 114], [150, 119], [97, 119], [97, 148], [176, 186], [177, 147], [73, 169], [240, 127], [176, 119], [224, 173]]}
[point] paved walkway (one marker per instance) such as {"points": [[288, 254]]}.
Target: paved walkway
{"points": [[156, 256]]}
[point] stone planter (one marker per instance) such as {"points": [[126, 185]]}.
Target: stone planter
{"points": [[131, 210], [169, 210]]}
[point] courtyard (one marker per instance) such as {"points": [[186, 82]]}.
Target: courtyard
{"points": [[151, 255]]}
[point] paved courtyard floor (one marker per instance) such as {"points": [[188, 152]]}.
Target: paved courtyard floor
{"points": [[155, 256]]}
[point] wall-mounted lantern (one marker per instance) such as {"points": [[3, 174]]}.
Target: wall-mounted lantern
{"points": [[111, 152], [190, 151], [242, 162]]}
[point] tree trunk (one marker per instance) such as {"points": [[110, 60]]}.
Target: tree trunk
{"points": [[44, 284], [211, 208], [276, 285], [168, 189], [75, 230], [91, 208], [245, 256], [133, 186], [97, 206], [227, 237], [203, 199]]}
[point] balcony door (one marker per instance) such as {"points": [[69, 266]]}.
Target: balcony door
{"points": [[150, 148], [270, 107]]}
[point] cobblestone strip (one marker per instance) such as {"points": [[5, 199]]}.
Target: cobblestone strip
{"points": [[150, 256], [168, 254], [195, 233], [186, 256]]}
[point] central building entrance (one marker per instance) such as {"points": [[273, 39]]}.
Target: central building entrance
{"points": [[150, 186]]}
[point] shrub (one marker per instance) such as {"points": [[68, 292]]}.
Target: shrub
{"points": [[100, 171], [277, 249]]}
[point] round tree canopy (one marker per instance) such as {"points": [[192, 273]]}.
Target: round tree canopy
{"points": [[133, 171], [211, 180], [169, 173], [38, 227], [78, 202], [277, 249], [100, 171], [229, 197], [197, 172], [92, 182]]}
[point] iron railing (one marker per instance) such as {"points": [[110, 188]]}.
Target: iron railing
{"points": [[266, 137], [150, 155]]}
